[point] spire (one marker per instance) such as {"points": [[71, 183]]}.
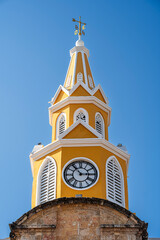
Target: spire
{"points": [[79, 68]]}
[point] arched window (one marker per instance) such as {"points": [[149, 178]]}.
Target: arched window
{"points": [[90, 81], [61, 124], [82, 114], [46, 186], [114, 181], [79, 77], [99, 124]]}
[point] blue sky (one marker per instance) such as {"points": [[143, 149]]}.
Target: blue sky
{"points": [[124, 42]]}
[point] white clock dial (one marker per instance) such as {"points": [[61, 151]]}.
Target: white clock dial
{"points": [[80, 174]]}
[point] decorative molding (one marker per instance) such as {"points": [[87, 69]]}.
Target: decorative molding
{"points": [[79, 100], [74, 87], [75, 124], [57, 93], [74, 70], [101, 90], [79, 49], [80, 84], [81, 110], [67, 71], [84, 69], [84, 142]]}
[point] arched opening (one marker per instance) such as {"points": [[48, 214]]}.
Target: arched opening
{"points": [[82, 114], [46, 181], [99, 124], [114, 181], [61, 124]]}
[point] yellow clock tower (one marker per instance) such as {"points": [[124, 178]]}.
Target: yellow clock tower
{"points": [[80, 160], [80, 179]]}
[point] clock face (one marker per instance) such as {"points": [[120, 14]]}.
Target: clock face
{"points": [[80, 174]]}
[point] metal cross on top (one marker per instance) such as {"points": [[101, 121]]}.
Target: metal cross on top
{"points": [[79, 30]]}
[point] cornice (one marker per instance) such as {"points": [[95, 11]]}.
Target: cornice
{"points": [[79, 49], [79, 100], [81, 142]]}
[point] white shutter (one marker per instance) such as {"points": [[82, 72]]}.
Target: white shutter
{"points": [[48, 182], [99, 124], [114, 182], [62, 123]]}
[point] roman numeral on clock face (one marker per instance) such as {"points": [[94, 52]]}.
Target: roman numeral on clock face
{"points": [[80, 174]]}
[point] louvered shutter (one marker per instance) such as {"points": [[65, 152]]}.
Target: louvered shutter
{"points": [[114, 182], [48, 182], [99, 124], [62, 123]]}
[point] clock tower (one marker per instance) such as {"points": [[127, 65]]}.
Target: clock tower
{"points": [[80, 160], [79, 187]]}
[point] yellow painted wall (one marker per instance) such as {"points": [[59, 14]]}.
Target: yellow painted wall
{"points": [[57, 155], [98, 155], [88, 70], [98, 94], [80, 132], [71, 108], [80, 91], [55, 116], [61, 96], [79, 66], [70, 70]]}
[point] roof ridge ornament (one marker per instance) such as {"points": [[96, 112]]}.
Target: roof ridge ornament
{"points": [[79, 30]]}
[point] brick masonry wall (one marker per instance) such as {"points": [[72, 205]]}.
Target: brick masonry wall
{"points": [[79, 219]]}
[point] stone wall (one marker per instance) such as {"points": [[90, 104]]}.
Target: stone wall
{"points": [[79, 219]]}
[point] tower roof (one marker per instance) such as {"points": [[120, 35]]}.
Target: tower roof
{"points": [[79, 69]]}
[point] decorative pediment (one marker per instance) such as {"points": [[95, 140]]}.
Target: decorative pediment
{"points": [[80, 129], [60, 95], [79, 89]]}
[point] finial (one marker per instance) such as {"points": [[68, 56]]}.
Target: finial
{"points": [[79, 30]]}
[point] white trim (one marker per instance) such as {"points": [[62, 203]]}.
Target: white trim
{"points": [[67, 72], [57, 123], [79, 142], [87, 160], [57, 93], [80, 100], [81, 110], [79, 49], [103, 125], [101, 90], [39, 178], [84, 69], [90, 81], [74, 70], [80, 84], [75, 124], [79, 77], [85, 86], [122, 181]]}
